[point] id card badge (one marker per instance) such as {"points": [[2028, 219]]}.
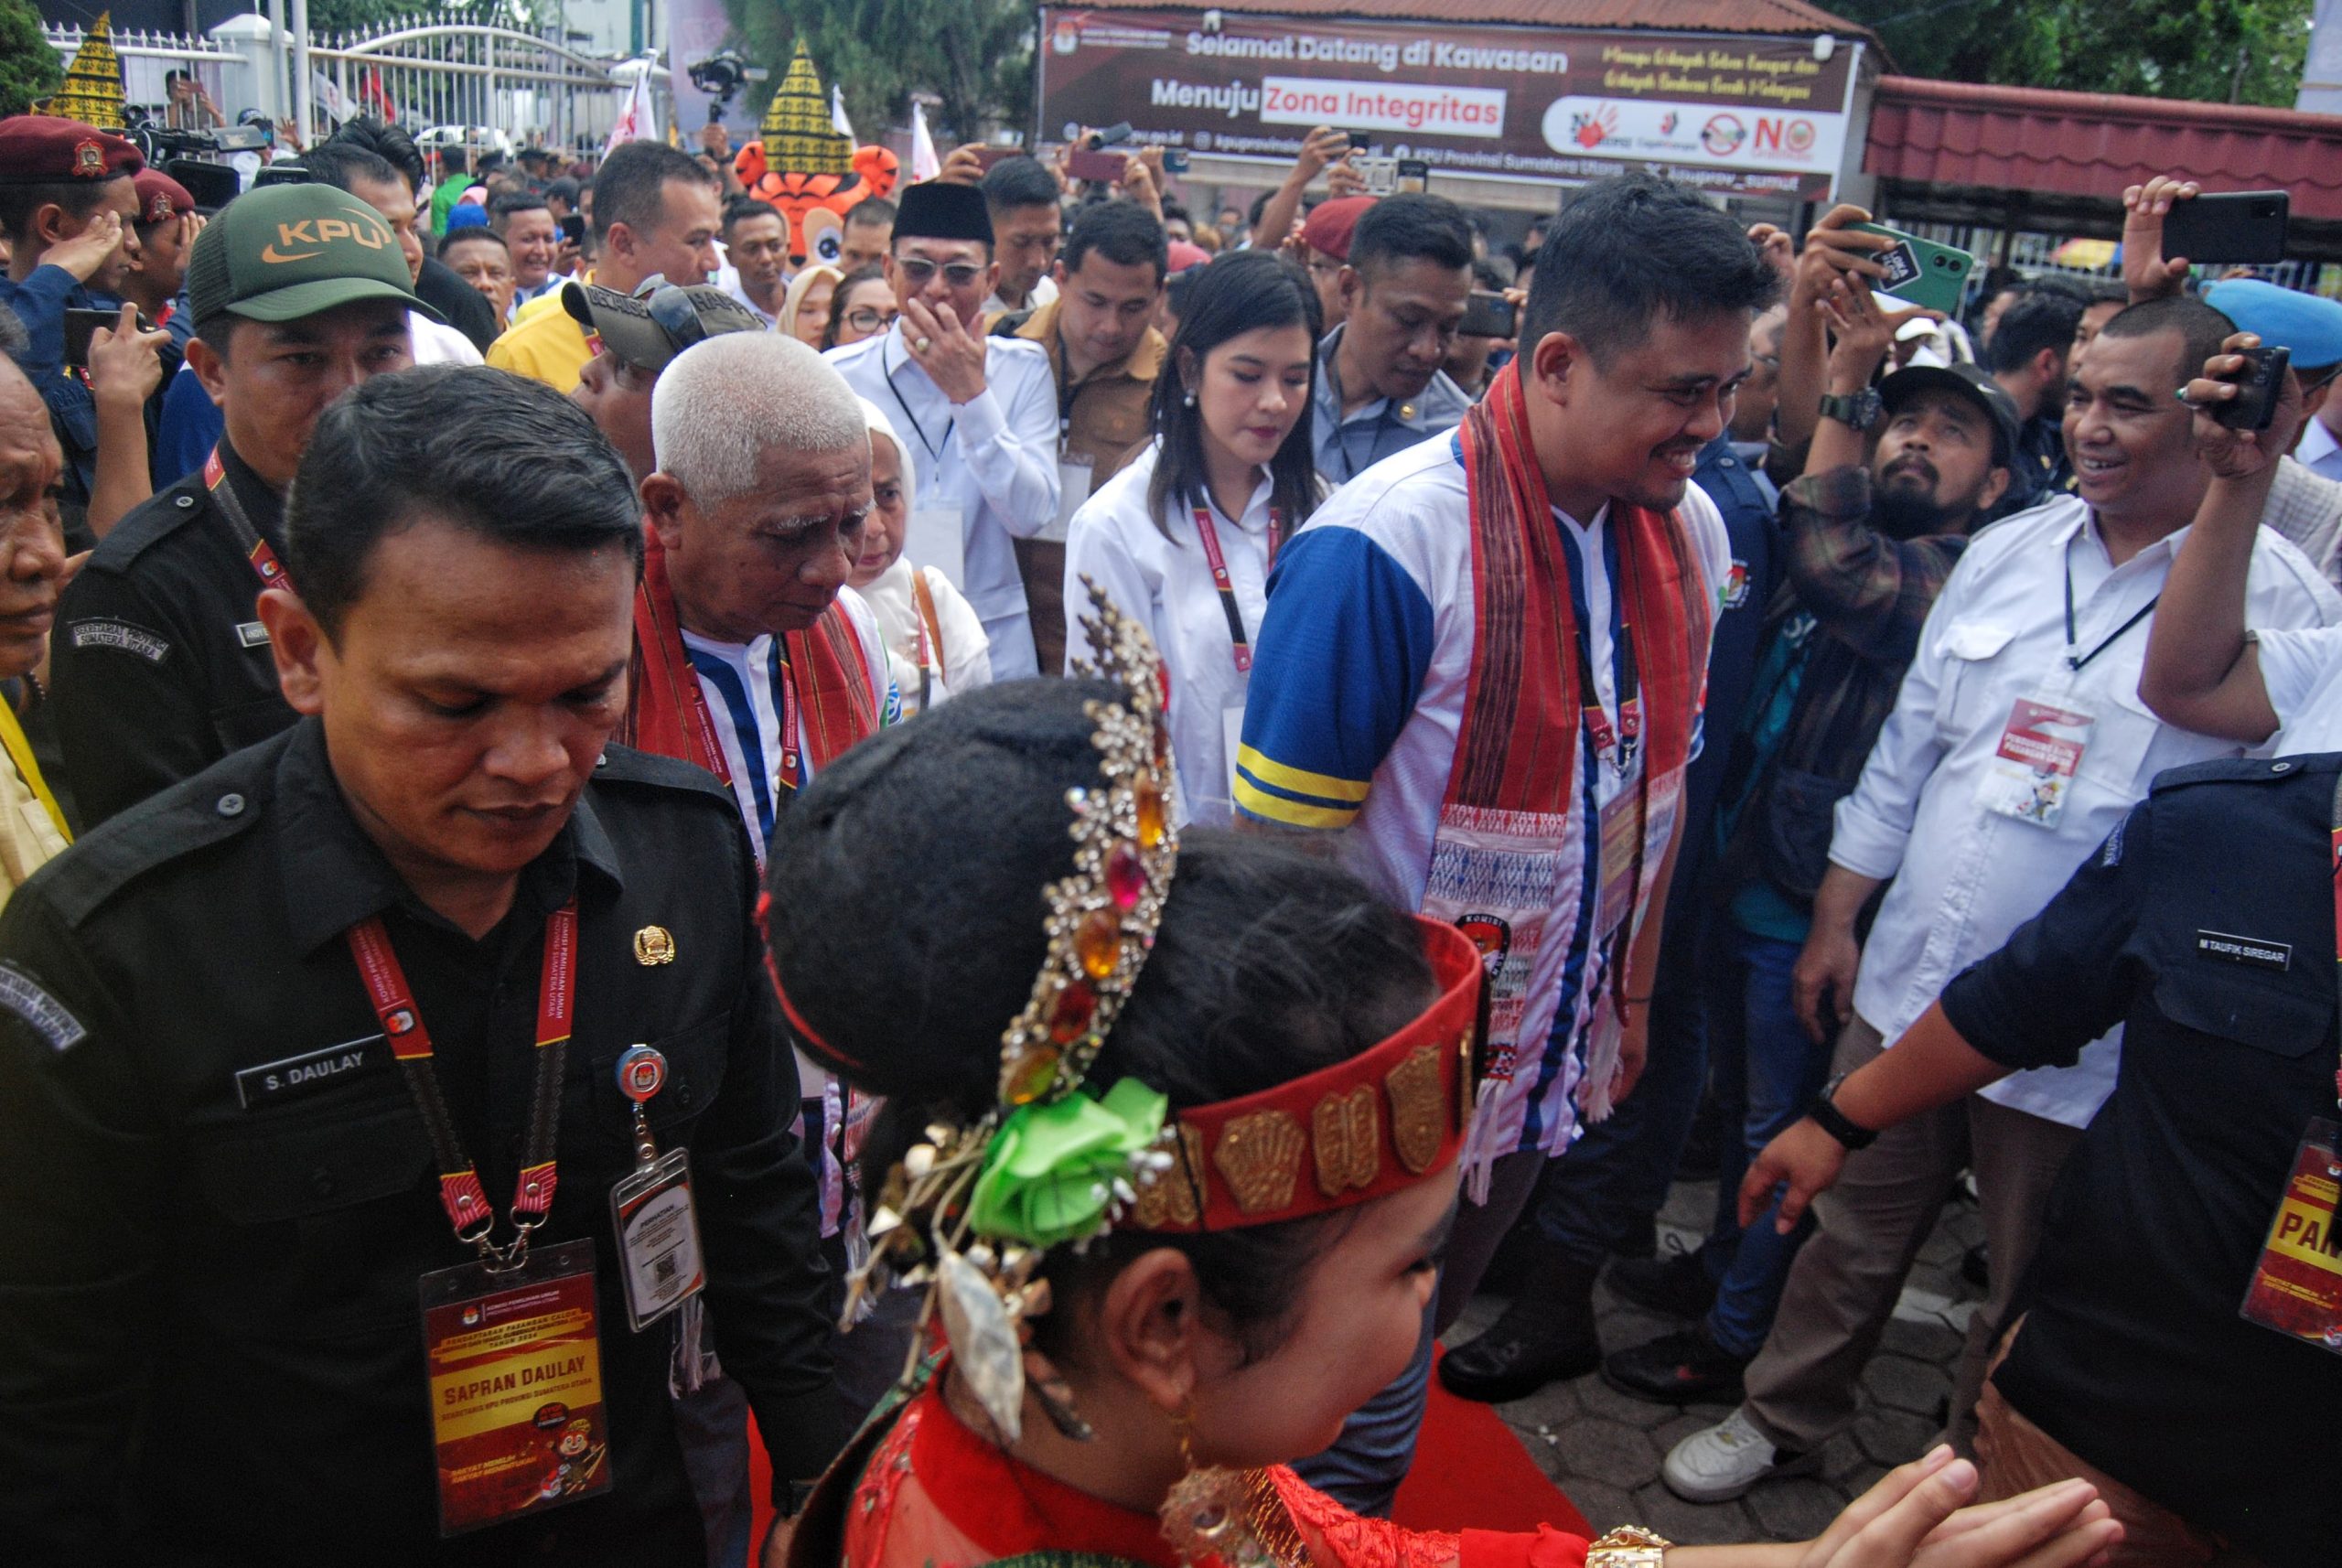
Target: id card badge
{"points": [[934, 538], [514, 1364], [2033, 768], [657, 1234], [1614, 904], [2297, 1284], [1074, 475]]}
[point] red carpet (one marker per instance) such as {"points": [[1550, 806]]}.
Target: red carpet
{"points": [[1470, 1471]]}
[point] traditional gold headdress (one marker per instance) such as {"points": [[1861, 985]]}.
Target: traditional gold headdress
{"points": [[971, 1211]]}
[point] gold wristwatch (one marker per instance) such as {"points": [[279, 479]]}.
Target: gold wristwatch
{"points": [[1629, 1546]]}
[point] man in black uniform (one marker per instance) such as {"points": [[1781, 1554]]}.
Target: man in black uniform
{"points": [[161, 666], [222, 1193]]}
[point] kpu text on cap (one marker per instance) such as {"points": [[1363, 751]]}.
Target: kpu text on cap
{"points": [[285, 251]]}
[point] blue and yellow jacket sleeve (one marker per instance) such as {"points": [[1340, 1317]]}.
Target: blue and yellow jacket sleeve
{"points": [[1342, 656]]}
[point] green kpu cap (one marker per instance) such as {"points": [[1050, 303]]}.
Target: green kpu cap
{"points": [[285, 251]]}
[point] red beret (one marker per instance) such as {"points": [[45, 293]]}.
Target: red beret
{"points": [[41, 149], [160, 196], [1184, 254], [1330, 224]]}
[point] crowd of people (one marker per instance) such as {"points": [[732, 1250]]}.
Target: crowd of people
{"points": [[1450, 729]]}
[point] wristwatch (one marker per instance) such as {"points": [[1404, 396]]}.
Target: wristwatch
{"points": [[1832, 1121], [1860, 410]]}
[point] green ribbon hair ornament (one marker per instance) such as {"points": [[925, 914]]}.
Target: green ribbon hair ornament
{"points": [[1053, 1172]]}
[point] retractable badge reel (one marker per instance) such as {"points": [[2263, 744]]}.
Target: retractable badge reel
{"points": [[651, 1208]]}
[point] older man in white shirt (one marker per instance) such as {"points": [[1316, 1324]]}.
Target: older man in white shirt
{"points": [[2018, 743], [979, 414]]}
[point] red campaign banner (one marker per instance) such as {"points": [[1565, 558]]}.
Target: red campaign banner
{"points": [[1734, 113]]}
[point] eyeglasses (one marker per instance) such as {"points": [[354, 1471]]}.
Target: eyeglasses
{"points": [[870, 318], [918, 272]]}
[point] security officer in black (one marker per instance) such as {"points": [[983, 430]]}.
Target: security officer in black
{"points": [[2205, 927], [221, 1192], [161, 665]]}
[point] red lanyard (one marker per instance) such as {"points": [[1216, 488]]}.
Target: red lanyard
{"points": [[1226, 585], [264, 559], [459, 1189], [792, 751]]}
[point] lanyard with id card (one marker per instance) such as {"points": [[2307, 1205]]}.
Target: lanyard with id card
{"points": [[512, 1341], [2033, 767], [2296, 1286], [2042, 743], [651, 1208], [1231, 717]]}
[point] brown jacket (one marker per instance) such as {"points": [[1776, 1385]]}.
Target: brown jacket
{"points": [[1104, 421]]}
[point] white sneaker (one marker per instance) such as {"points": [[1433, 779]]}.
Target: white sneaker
{"points": [[1728, 1459]]}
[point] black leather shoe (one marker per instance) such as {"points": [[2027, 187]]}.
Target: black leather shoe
{"points": [[1685, 1368], [1545, 1336], [1676, 1284]]}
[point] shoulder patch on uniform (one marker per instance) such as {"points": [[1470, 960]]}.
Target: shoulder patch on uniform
{"points": [[119, 635], [44, 1013], [156, 517], [625, 765], [2245, 770], [177, 822]]}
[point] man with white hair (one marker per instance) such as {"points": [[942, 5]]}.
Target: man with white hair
{"points": [[752, 658]]}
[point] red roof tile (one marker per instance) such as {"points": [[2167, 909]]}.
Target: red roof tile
{"points": [[1793, 17], [2090, 144]]}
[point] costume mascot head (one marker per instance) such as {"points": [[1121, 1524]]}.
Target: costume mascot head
{"points": [[810, 170]]}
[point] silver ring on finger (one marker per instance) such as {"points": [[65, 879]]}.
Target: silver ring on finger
{"points": [[921, 345]]}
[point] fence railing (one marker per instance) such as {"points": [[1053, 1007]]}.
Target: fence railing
{"points": [[421, 73]]}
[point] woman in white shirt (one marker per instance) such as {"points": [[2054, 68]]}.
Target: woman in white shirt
{"points": [[935, 644], [1183, 537]]}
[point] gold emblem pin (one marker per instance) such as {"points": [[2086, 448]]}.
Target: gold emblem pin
{"points": [[652, 945], [1406, 411]]}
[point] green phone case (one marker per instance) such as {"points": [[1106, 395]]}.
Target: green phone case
{"points": [[1921, 270]]}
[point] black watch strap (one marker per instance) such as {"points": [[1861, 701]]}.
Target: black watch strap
{"points": [[1858, 410], [1832, 1121]]}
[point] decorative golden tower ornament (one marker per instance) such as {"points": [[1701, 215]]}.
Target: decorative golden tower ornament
{"points": [[798, 135], [91, 92]]}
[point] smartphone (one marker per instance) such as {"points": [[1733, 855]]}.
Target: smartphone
{"points": [[1084, 164], [987, 157], [1921, 270], [572, 229], [1414, 175], [213, 186], [2231, 226], [283, 174], [2263, 381], [1359, 140], [1118, 131], [80, 324], [1175, 160], [1487, 315], [1380, 174]]}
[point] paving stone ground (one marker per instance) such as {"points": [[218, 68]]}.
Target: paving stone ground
{"points": [[1603, 1449]]}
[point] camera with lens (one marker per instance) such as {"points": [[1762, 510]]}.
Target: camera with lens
{"points": [[720, 76], [157, 142]]}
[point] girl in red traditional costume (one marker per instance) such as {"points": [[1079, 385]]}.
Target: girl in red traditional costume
{"points": [[1185, 1214]]}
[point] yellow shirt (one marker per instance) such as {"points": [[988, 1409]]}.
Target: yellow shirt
{"points": [[32, 830], [546, 343]]}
